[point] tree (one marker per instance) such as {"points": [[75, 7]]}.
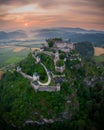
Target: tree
{"points": [[50, 43], [85, 49], [62, 55], [60, 63]]}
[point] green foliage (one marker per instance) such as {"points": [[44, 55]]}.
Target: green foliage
{"points": [[85, 49], [8, 56], [13, 98], [62, 55], [52, 41], [74, 62], [19, 102], [28, 66], [99, 59], [48, 61], [60, 63]]}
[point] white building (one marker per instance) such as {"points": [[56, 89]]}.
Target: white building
{"points": [[35, 76], [57, 55], [58, 87], [64, 59], [60, 69], [19, 68], [64, 46], [57, 68], [41, 49], [37, 59]]}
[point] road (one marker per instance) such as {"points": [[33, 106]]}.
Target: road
{"points": [[31, 78], [49, 77]]}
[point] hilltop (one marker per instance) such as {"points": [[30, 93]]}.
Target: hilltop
{"points": [[54, 87]]}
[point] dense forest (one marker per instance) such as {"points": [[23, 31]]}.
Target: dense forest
{"points": [[85, 49], [85, 111]]}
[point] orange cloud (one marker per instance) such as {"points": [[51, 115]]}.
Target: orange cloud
{"points": [[65, 13]]}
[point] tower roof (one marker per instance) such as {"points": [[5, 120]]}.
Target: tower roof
{"points": [[59, 80], [36, 74], [36, 83]]}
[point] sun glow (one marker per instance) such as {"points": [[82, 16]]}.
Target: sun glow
{"points": [[25, 24]]}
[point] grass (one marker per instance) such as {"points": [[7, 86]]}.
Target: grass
{"points": [[99, 58], [13, 60], [8, 56], [52, 83]]}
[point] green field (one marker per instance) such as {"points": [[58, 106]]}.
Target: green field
{"points": [[99, 58], [8, 56]]}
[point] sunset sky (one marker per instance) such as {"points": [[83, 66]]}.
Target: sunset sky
{"points": [[21, 14]]}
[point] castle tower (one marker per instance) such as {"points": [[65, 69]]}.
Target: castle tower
{"points": [[19, 68], [73, 45], [35, 76], [57, 55], [58, 87], [37, 59]]}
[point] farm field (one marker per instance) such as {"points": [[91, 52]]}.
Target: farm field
{"points": [[98, 51], [1, 73], [14, 54], [10, 55], [18, 49], [99, 58], [99, 54]]}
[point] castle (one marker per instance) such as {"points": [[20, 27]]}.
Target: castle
{"points": [[62, 45], [58, 68]]}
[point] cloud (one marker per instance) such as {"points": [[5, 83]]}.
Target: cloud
{"points": [[42, 3], [13, 2], [52, 12], [48, 3], [97, 3]]}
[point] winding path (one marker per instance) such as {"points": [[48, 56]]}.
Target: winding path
{"points": [[49, 77], [31, 78]]}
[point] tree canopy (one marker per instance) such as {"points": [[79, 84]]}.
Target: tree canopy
{"points": [[85, 49], [60, 63]]}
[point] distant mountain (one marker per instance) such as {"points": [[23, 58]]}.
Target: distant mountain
{"points": [[75, 30], [12, 35], [73, 34]]}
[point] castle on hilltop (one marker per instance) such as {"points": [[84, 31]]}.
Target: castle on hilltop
{"points": [[64, 46], [61, 45], [58, 68]]}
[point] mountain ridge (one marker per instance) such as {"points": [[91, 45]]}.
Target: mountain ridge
{"points": [[74, 34]]}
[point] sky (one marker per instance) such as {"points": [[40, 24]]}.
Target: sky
{"points": [[22, 14]]}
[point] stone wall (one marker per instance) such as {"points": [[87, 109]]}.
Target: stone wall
{"points": [[60, 69], [45, 88]]}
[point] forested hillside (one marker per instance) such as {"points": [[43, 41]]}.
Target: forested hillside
{"points": [[85, 49], [78, 106]]}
